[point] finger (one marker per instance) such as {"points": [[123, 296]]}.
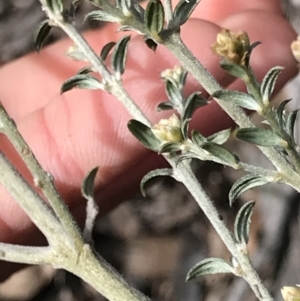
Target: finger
{"points": [[217, 10], [41, 75]]}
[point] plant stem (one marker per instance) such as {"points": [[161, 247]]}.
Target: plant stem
{"points": [[35, 207], [184, 173], [99, 274], [191, 64], [42, 179], [186, 177], [26, 255]]}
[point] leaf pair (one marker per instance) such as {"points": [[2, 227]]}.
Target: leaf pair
{"points": [[118, 60], [212, 266]]}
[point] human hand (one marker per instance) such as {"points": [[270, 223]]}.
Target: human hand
{"points": [[72, 133]]}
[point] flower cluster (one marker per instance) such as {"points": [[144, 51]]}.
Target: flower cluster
{"points": [[233, 47]]}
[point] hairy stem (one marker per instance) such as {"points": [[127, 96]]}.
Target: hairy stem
{"points": [[42, 179], [191, 64]]}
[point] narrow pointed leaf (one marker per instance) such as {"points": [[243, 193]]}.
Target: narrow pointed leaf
{"points": [[74, 5], [193, 102], [262, 137], [280, 112], [209, 266], [242, 223], [163, 106], [198, 139], [150, 43], [290, 123], [152, 174], [106, 50], [184, 128], [81, 81], [241, 99], [245, 183], [269, 82], [220, 137], [181, 158], [222, 154], [119, 54], [234, 69], [85, 70], [101, 15], [41, 35], [183, 11], [138, 12], [174, 93], [154, 17], [144, 134], [87, 188], [170, 147], [56, 6]]}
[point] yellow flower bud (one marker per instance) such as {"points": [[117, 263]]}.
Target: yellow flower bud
{"points": [[290, 293], [172, 73], [168, 130], [231, 46]]}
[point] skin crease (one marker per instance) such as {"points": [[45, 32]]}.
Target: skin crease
{"points": [[72, 133]]}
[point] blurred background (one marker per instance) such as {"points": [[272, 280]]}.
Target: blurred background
{"points": [[154, 241]]}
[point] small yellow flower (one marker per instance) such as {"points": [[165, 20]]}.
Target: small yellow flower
{"points": [[168, 130], [174, 73], [290, 293], [232, 46]]}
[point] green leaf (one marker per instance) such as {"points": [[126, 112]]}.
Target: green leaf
{"points": [[81, 81], [170, 147], [234, 69], [106, 50], [269, 82], [152, 174], [163, 106], [242, 223], [183, 157], [193, 102], [174, 93], [74, 5], [198, 139], [280, 112], [245, 183], [138, 11], [154, 17], [85, 70], [119, 54], [262, 137], [220, 137], [150, 43], [182, 12], [241, 99], [125, 6], [222, 154], [290, 123], [209, 266], [56, 6], [184, 128], [144, 134], [87, 188], [101, 15], [41, 35]]}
